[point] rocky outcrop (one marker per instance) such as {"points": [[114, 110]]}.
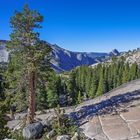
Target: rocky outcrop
{"points": [[114, 52], [123, 125], [75, 137], [134, 57], [51, 134], [63, 137], [113, 116], [33, 131]]}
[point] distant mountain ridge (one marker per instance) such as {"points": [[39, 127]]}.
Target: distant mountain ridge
{"points": [[65, 60]]}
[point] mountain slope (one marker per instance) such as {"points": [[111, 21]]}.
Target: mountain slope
{"points": [[64, 60], [113, 116], [133, 56], [129, 57]]}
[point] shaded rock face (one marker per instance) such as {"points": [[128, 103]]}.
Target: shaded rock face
{"points": [[127, 93], [33, 130], [64, 60]]}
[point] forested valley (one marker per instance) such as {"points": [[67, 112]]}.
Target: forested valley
{"points": [[76, 86]]}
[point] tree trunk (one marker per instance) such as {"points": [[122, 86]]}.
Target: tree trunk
{"points": [[32, 87]]}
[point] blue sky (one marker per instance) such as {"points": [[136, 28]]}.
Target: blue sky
{"points": [[82, 25]]}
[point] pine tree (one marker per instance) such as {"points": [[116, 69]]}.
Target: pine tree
{"points": [[93, 86], [101, 87], [125, 77], [3, 106], [72, 88], [91, 92], [133, 71], [79, 98], [28, 54], [88, 80], [52, 91], [110, 77], [3, 129], [41, 98], [1, 83], [62, 124]]}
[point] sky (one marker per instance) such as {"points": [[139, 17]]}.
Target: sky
{"points": [[82, 25]]}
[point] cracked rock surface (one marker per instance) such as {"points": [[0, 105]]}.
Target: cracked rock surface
{"points": [[113, 116], [117, 120]]}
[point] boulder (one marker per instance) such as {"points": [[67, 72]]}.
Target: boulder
{"points": [[75, 137], [51, 134], [19, 126], [33, 130], [47, 123], [63, 137]]}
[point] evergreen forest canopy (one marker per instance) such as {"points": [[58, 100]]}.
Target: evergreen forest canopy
{"points": [[85, 82], [78, 85]]}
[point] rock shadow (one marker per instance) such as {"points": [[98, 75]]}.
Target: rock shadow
{"points": [[108, 106]]}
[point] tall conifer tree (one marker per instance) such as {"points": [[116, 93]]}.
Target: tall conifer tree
{"points": [[28, 55]]}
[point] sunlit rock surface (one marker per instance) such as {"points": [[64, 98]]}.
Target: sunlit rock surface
{"points": [[113, 116], [117, 114]]}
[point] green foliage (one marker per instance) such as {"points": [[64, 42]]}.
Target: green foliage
{"points": [[72, 88], [17, 136], [63, 124], [4, 132], [29, 58], [1, 83], [53, 90], [79, 98], [126, 73], [134, 71], [93, 87], [101, 87], [92, 82]]}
